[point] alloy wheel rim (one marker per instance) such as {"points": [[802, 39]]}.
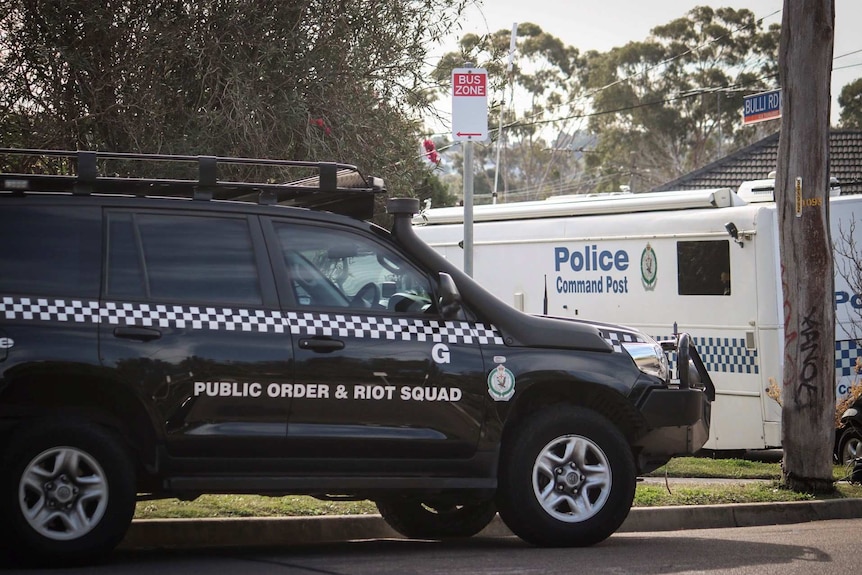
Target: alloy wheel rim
{"points": [[63, 493], [572, 478]]}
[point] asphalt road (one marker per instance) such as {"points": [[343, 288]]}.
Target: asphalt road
{"points": [[822, 547]]}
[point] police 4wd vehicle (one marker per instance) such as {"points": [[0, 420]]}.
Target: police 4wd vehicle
{"points": [[227, 339]]}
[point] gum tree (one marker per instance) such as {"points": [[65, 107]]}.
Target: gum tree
{"points": [[304, 79], [669, 104]]}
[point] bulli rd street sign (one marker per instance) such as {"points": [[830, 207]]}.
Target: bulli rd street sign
{"points": [[761, 107], [469, 104]]}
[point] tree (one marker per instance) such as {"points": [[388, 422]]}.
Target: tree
{"points": [[537, 160], [850, 101], [306, 79], [802, 184], [667, 105]]}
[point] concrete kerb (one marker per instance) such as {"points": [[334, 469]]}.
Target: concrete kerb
{"points": [[270, 532]]}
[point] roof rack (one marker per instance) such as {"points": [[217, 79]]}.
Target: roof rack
{"points": [[334, 187]]}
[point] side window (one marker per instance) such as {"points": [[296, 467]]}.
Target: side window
{"points": [[704, 267], [125, 270], [50, 250], [182, 258], [337, 268]]}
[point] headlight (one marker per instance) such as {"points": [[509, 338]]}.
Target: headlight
{"points": [[649, 358]]}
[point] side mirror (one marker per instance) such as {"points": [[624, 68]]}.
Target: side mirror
{"points": [[450, 297]]}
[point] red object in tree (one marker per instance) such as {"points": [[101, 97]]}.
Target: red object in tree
{"points": [[431, 151], [320, 124]]}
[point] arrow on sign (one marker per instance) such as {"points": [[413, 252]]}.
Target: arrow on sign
{"points": [[468, 134]]}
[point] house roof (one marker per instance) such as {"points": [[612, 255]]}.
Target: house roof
{"points": [[757, 160]]}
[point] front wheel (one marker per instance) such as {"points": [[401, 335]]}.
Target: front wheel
{"points": [[67, 492], [567, 478], [436, 520]]}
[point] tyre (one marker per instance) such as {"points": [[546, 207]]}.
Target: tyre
{"points": [[849, 447], [67, 492], [567, 478], [436, 520]]}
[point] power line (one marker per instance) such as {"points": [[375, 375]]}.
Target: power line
{"points": [[523, 123], [847, 54], [665, 62]]}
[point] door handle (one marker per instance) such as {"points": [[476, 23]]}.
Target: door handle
{"points": [[137, 333], [321, 345]]}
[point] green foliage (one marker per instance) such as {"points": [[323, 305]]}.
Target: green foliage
{"points": [[306, 79], [668, 105], [850, 101], [638, 115], [654, 495], [726, 468], [433, 188], [249, 506]]}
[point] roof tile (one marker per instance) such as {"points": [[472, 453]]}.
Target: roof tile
{"points": [[757, 160]]}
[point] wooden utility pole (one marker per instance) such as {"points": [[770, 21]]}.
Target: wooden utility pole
{"points": [[802, 194]]}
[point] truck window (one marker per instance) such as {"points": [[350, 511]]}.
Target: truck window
{"points": [[50, 250], [330, 267], [703, 267], [181, 258]]}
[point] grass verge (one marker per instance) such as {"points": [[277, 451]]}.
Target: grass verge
{"points": [[647, 494]]}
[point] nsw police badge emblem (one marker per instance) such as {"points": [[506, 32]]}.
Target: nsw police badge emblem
{"points": [[649, 267], [501, 384]]}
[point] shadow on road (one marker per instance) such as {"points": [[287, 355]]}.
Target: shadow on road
{"points": [[645, 554]]}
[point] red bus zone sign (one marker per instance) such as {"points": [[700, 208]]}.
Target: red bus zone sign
{"points": [[470, 84], [469, 104]]}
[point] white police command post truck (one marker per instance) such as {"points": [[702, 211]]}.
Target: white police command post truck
{"points": [[705, 260]]}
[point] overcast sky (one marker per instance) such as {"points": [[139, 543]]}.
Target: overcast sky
{"points": [[603, 24]]}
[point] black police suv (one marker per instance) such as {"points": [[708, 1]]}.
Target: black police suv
{"points": [[174, 336]]}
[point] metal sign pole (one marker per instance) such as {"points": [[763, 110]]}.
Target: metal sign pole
{"points": [[468, 208]]}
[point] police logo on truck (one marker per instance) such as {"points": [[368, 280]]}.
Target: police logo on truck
{"points": [[649, 267], [501, 383]]}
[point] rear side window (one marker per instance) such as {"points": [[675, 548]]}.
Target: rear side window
{"points": [[50, 250], [704, 267], [176, 258]]}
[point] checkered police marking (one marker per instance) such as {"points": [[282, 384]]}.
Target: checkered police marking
{"points": [[405, 329], [730, 355], [248, 320], [727, 355], [846, 354], [617, 338], [722, 354]]}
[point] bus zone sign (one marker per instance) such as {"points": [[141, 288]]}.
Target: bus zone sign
{"points": [[469, 104]]}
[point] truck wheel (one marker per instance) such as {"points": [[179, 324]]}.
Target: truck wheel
{"points": [[849, 448], [566, 479], [67, 492], [417, 520]]}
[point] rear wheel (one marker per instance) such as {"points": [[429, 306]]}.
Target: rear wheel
{"points": [[436, 520], [68, 491], [566, 479]]}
